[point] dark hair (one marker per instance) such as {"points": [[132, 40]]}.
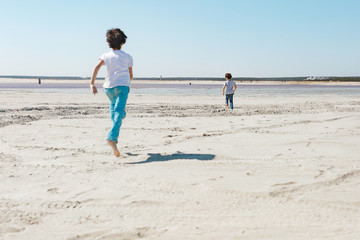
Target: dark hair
{"points": [[115, 37], [228, 76]]}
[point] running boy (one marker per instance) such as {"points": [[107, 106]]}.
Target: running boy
{"points": [[117, 82], [229, 90]]}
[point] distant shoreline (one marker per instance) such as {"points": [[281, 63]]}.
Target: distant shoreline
{"points": [[76, 83], [212, 79]]}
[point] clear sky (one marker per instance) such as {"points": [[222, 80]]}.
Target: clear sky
{"points": [[186, 38]]}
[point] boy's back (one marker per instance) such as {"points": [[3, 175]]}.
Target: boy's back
{"points": [[117, 63], [229, 86]]}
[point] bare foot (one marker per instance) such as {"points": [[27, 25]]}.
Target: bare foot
{"points": [[114, 148]]}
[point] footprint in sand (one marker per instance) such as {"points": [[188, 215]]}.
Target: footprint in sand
{"points": [[53, 190], [282, 184], [321, 172], [5, 230]]}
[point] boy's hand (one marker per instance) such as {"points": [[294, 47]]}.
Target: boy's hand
{"points": [[93, 89]]}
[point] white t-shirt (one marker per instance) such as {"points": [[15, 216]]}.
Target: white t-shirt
{"points": [[229, 86], [117, 64]]}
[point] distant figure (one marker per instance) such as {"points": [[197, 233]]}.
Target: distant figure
{"points": [[39, 80], [229, 90], [190, 83], [117, 82]]}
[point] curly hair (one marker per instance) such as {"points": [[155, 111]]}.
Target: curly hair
{"points": [[115, 37], [228, 76]]}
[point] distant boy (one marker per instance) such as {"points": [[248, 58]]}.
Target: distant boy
{"points": [[229, 90], [117, 82]]}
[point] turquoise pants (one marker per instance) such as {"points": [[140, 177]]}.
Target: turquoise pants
{"points": [[118, 97]]}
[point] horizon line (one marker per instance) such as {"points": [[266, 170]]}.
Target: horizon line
{"points": [[173, 78]]}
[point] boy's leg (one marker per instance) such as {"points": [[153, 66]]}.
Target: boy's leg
{"points": [[119, 112], [226, 100], [112, 111], [110, 94], [231, 101]]}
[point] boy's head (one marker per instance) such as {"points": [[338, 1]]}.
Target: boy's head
{"points": [[228, 76], [115, 38]]}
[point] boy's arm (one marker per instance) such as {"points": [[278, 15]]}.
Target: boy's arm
{"points": [[235, 87], [223, 89], [131, 73], [93, 77]]}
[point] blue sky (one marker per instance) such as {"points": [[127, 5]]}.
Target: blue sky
{"points": [[187, 38]]}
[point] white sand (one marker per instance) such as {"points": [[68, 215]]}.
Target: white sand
{"points": [[274, 168]]}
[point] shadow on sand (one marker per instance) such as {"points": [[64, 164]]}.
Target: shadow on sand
{"points": [[156, 157]]}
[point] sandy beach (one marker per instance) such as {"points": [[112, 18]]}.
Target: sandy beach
{"points": [[273, 168]]}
